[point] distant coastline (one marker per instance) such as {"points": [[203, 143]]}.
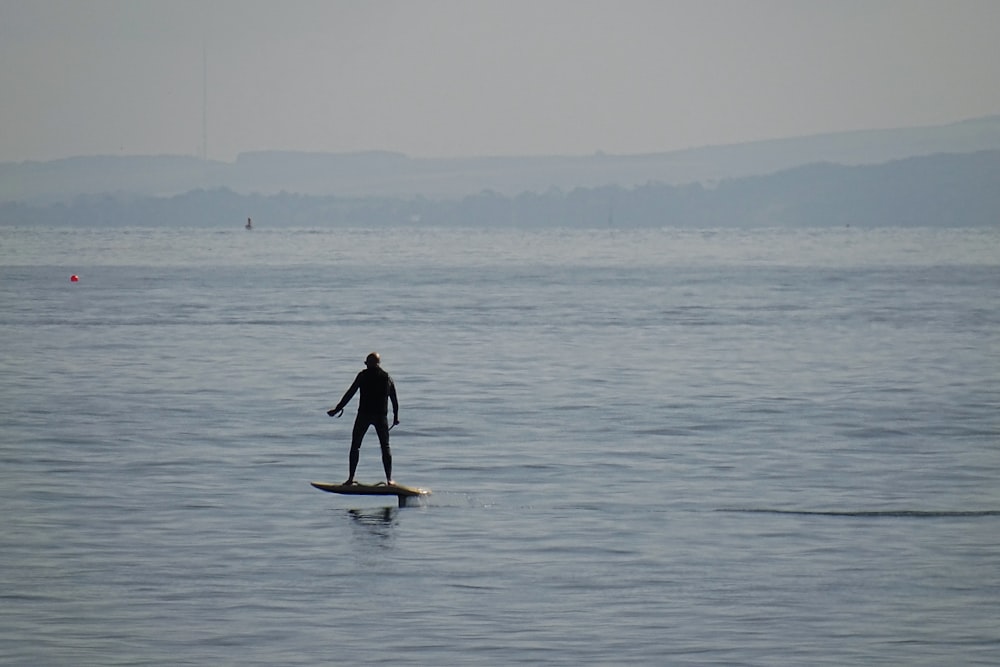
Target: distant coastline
{"points": [[937, 176]]}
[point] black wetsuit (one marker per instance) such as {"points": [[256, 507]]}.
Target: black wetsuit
{"points": [[377, 389]]}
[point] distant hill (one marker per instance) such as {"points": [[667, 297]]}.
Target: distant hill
{"points": [[385, 174], [942, 190]]}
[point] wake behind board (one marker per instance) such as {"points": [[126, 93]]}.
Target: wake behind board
{"points": [[380, 489]]}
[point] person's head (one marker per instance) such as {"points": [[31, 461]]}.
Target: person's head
{"points": [[373, 360]]}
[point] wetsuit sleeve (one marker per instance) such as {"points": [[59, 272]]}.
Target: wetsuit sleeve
{"points": [[395, 402], [350, 393]]}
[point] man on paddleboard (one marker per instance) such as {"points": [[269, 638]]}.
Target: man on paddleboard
{"points": [[376, 389]]}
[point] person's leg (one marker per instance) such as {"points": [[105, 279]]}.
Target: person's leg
{"points": [[357, 435], [382, 429]]}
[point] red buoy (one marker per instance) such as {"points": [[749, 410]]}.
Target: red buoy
{"points": [[74, 278]]}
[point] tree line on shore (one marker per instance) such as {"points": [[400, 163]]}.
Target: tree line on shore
{"points": [[950, 190]]}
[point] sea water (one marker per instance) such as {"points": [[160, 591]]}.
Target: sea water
{"points": [[656, 447]]}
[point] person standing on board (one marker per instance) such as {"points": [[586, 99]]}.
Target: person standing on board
{"points": [[377, 389]]}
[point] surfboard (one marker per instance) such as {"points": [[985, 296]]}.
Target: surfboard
{"points": [[380, 489]]}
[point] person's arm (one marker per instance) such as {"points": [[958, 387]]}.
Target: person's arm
{"points": [[335, 412], [395, 402]]}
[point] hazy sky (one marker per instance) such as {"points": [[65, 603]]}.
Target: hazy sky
{"points": [[433, 78]]}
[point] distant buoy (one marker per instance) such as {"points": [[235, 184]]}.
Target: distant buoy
{"points": [[74, 278]]}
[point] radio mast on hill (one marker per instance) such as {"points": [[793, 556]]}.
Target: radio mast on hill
{"points": [[204, 102]]}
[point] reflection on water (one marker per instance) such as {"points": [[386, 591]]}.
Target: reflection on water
{"points": [[375, 525]]}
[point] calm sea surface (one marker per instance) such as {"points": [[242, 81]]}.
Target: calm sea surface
{"points": [[646, 447]]}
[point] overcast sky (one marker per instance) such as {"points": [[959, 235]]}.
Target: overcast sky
{"points": [[435, 78]]}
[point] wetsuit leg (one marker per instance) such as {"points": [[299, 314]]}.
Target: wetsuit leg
{"points": [[382, 429], [361, 425]]}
